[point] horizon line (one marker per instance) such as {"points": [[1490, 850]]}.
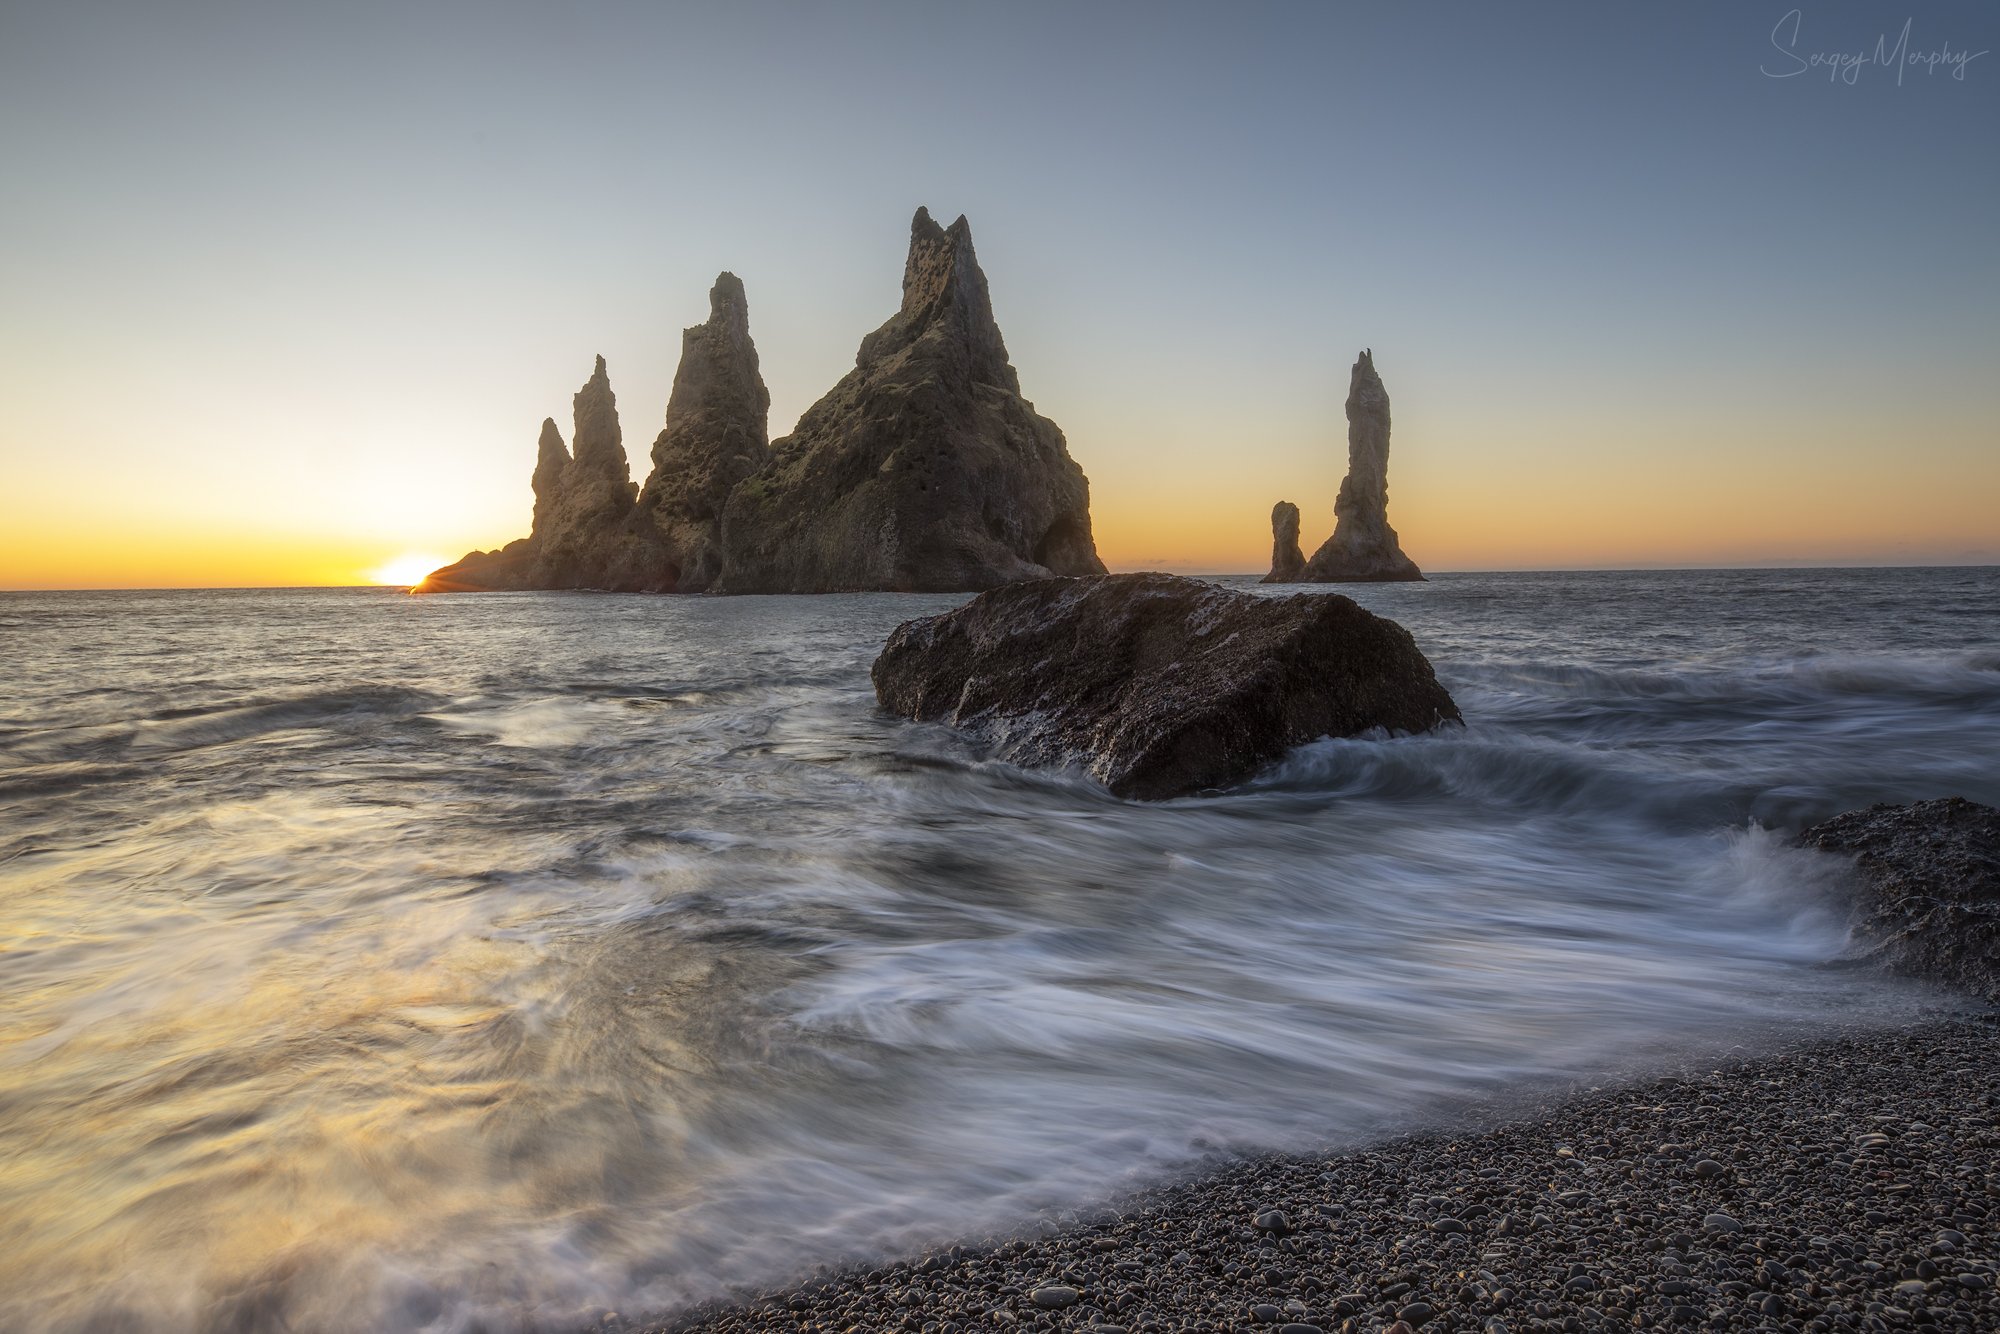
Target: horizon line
{"points": [[1803, 566]]}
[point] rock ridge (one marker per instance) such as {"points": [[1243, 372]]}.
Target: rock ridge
{"points": [[923, 469]]}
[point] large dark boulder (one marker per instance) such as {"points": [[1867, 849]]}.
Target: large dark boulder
{"points": [[1157, 685], [1930, 887]]}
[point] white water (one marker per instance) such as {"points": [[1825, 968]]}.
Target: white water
{"points": [[389, 963]]}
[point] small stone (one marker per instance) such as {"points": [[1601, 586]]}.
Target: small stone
{"points": [[1053, 1297], [1274, 1221], [1264, 1313], [1416, 1314], [1720, 1223], [1707, 1168]]}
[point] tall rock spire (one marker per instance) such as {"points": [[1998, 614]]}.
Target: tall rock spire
{"points": [[1288, 563], [716, 435], [923, 469], [1363, 547], [945, 303], [600, 446], [551, 461]]}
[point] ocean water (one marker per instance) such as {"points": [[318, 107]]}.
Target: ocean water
{"points": [[385, 963]]}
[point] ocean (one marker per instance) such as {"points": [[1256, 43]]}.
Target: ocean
{"points": [[376, 962]]}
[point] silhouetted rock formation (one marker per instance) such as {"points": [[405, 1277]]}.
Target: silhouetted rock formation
{"points": [[924, 468], [1363, 548], [716, 435], [1931, 887], [1158, 685], [588, 531], [1288, 563]]}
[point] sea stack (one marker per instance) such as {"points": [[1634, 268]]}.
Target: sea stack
{"points": [[717, 433], [1288, 562], [1363, 548], [923, 470], [587, 530]]}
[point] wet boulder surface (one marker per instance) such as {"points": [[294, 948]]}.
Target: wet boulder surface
{"points": [[1929, 877], [1156, 685]]}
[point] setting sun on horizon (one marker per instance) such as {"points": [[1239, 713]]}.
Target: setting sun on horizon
{"points": [[742, 666], [318, 348], [406, 570]]}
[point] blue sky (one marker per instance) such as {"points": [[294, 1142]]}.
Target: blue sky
{"points": [[317, 273]]}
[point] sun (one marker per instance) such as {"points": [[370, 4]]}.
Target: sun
{"points": [[407, 569]]}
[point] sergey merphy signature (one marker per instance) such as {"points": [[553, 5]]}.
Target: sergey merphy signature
{"points": [[1846, 66]]}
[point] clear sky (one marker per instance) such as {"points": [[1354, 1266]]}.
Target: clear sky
{"points": [[286, 290]]}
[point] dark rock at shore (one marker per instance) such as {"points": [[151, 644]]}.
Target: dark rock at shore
{"points": [[1363, 547], [1158, 686], [1288, 562], [923, 469], [1930, 877], [716, 434]]}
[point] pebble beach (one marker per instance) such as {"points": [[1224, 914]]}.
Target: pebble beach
{"points": [[1849, 1184]]}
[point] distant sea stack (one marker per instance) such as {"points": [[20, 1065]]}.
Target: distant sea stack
{"points": [[1288, 563], [922, 470], [1363, 548], [588, 531]]}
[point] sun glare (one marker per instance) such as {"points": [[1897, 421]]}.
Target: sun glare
{"points": [[407, 569]]}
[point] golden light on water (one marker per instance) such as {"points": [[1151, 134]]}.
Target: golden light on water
{"points": [[407, 569]]}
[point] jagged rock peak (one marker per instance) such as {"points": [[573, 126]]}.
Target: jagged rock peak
{"points": [[947, 310], [1288, 561], [716, 435], [923, 470], [728, 307], [599, 444], [551, 459]]}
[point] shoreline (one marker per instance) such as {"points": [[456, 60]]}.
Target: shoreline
{"points": [[1849, 1182]]}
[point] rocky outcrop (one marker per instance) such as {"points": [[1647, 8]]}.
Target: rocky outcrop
{"points": [[1930, 887], [716, 435], [923, 469], [1363, 548], [588, 531], [1288, 562], [1157, 685]]}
